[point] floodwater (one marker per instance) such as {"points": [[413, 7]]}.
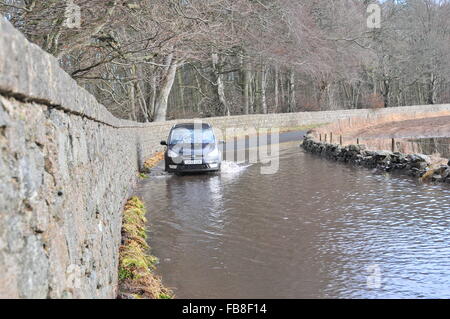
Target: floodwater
{"points": [[315, 229]]}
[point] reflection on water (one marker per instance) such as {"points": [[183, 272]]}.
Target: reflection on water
{"points": [[310, 231]]}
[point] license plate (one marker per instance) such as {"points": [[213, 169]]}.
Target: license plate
{"points": [[193, 162]]}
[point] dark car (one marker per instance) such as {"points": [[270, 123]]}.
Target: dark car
{"points": [[192, 147]]}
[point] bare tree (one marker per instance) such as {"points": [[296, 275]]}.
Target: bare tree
{"points": [[242, 57]]}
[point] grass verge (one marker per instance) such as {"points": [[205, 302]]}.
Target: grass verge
{"points": [[154, 160], [136, 266]]}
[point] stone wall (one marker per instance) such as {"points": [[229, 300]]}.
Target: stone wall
{"points": [[67, 166], [414, 165], [63, 180]]}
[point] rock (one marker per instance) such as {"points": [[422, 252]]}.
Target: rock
{"points": [[418, 158], [382, 154], [356, 148], [419, 165], [446, 173], [398, 158]]}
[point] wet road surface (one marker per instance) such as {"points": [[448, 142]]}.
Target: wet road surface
{"points": [[315, 229]]}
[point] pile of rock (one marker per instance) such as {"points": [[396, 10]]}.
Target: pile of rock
{"points": [[416, 165]]}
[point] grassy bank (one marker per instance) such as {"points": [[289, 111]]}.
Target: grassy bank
{"points": [[150, 164], [154, 160], [136, 266]]}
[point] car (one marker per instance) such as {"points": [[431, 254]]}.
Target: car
{"points": [[192, 148]]}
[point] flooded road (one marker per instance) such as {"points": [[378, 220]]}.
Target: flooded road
{"points": [[316, 229]]}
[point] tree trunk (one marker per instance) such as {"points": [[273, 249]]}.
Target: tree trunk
{"points": [[199, 97], [246, 87], [143, 103], [154, 94], [220, 85], [132, 94], [264, 72], [277, 80], [138, 89], [221, 93], [385, 92], [431, 96], [132, 99], [283, 93], [292, 101], [181, 90], [166, 87], [251, 93]]}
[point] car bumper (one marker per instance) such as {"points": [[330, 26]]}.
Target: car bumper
{"points": [[183, 168]]}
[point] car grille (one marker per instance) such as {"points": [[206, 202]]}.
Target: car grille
{"points": [[192, 157], [194, 167]]}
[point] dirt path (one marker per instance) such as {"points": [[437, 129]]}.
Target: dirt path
{"points": [[426, 127]]}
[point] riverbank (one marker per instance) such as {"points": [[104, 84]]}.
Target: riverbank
{"points": [[415, 165], [414, 144], [436, 126]]}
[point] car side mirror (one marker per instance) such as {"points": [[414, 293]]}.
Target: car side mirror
{"points": [[163, 143]]}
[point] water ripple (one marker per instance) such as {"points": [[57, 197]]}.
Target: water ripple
{"points": [[309, 231]]}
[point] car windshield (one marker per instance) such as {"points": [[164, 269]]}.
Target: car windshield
{"points": [[184, 135]]}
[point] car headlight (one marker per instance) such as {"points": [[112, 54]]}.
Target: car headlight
{"points": [[172, 154], [213, 155]]}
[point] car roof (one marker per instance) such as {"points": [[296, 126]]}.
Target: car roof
{"points": [[192, 125]]}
